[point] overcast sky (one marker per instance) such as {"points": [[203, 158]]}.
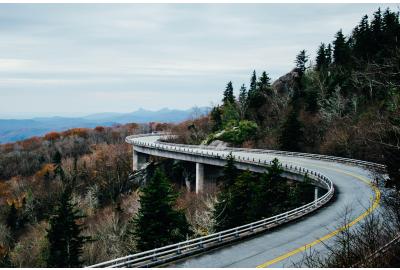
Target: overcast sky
{"points": [[71, 59]]}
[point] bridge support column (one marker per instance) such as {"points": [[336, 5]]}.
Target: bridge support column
{"points": [[199, 177], [315, 193], [138, 159], [135, 160]]}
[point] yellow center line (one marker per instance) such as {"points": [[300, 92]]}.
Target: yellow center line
{"points": [[362, 216]]}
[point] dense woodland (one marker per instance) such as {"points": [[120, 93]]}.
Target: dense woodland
{"points": [[78, 184]]}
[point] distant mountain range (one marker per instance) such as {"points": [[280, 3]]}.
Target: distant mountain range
{"points": [[12, 130]]}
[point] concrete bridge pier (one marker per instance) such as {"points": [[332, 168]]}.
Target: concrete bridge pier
{"points": [[138, 160], [315, 193], [199, 177]]}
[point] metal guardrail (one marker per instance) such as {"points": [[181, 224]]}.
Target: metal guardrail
{"points": [[279, 152], [171, 252]]}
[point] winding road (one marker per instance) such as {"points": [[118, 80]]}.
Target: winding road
{"points": [[284, 245]]}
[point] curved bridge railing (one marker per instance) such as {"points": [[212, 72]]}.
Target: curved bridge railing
{"points": [[172, 252], [356, 162]]}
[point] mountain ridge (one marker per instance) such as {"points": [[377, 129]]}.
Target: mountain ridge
{"points": [[12, 130]]}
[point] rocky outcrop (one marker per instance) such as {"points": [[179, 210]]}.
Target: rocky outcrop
{"points": [[285, 84]]}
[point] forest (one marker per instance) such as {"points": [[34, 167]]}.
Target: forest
{"points": [[78, 184]]}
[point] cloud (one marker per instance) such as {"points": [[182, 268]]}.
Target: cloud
{"points": [[121, 54]]}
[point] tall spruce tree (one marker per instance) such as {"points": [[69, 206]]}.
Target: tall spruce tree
{"points": [[57, 159], [216, 117], [301, 61], [12, 218], [234, 206], [230, 172], [264, 83], [328, 54], [341, 50], [242, 100], [292, 134], [321, 61], [158, 223], [228, 94], [64, 235], [253, 84]]}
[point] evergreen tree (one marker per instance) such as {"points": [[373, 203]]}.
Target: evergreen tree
{"points": [[234, 206], [243, 101], [12, 218], [253, 84], [264, 83], [157, 223], [362, 39], [328, 54], [57, 159], [292, 133], [257, 97], [230, 172], [216, 117], [341, 50], [265, 193], [228, 94], [301, 61], [391, 31], [64, 235], [321, 61], [376, 29]]}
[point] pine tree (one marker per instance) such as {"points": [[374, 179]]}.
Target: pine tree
{"points": [[230, 172], [341, 50], [328, 54], [234, 206], [57, 159], [257, 97], [265, 192], [253, 84], [157, 223], [376, 29], [391, 31], [362, 39], [216, 117], [301, 61], [264, 83], [292, 133], [321, 61], [12, 218], [64, 235], [228, 94], [243, 101]]}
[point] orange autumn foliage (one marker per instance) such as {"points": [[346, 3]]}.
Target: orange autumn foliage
{"points": [[30, 143], [99, 129], [46, 169], [80, 132], [52, 136]]}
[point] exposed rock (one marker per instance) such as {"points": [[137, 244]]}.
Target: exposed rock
{"points": [[219, 144], [284, 85]]}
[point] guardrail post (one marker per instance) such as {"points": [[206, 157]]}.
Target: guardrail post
{"points": [[154, 258], [219, 238], [201, 245]]}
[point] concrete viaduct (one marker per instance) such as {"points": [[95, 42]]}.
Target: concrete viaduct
{"points": [[282, 246]]}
